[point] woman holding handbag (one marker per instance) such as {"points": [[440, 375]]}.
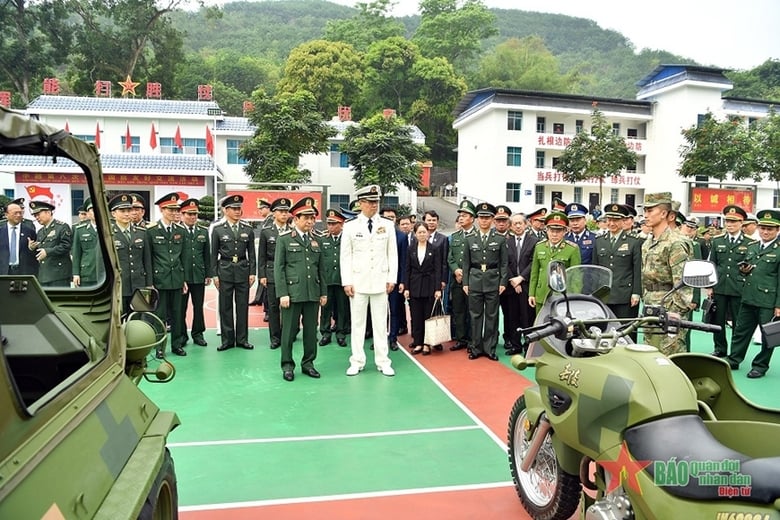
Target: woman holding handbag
{"points": [[423, 282]]}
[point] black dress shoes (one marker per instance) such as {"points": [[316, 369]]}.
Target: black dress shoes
{"points": [[200, 342], [474, 355], [393, 345], [179, 351], [245, 345], [718, 354], [755, 374], [288, 375], [265, 317], [493, 356], [342, 342], [458, 346], [275, 345], [224, 346], [733, 366], [514, 350], [311, 372], [324, 340], [438, 347]]}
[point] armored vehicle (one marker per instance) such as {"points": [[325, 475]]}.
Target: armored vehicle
{"points": [[78, 438]]}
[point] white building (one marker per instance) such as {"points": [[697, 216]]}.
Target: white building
{"points": [[509, 141]]}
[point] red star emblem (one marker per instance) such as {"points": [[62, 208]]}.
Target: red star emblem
{"points": [[128, 86], [624, 465]]}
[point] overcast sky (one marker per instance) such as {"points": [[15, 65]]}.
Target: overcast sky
{"points": [[722, 33]]}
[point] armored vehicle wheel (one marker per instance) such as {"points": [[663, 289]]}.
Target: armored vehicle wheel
{"points": [[546, 491], [163, 500]]}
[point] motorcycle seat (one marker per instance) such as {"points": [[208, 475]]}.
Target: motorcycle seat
{"points": [[685, 441]]}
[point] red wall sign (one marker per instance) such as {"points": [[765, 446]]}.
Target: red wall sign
{"points": [[712, 200], [252, 200]]}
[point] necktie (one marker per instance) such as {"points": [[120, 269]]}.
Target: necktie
{"points": [[370, 225], [306, 238], [234, 227], [127, 234], [14, 258], [733, 240], [613, 240], [518, 245]]}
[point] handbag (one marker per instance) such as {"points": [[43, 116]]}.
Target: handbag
{"points": [[708, 308], [437, 327], [770, 334]]}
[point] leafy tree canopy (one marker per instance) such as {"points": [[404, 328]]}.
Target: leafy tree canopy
{"points": [[716, 149], [371, 23]]}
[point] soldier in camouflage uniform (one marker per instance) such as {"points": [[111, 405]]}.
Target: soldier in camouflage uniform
{"points": [[460, 304], [663, 256], [52, 247]]}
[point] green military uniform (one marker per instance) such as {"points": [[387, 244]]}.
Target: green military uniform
{"points": [[760, 298], [337, 306], [544, 253], [86, 251], [299, 272], [485, 270], [196, 258], [265, 261], [460, 304], [56, 238], [726, 252], [133, 253]]}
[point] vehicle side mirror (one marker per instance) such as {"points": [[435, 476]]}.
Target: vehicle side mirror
{"points": [[699, 274], [556, 276], [144, 300]]}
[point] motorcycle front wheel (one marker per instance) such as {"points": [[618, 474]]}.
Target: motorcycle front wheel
{"points": [[546, 491]]}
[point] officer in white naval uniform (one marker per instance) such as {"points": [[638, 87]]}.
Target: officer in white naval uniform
{"points": [[369, 267]]}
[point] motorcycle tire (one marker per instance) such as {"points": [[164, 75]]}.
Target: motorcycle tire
{"points": [[546, 491]]}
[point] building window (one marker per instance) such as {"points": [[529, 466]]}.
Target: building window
{"points": [[539, 194], [632, 133], [776, 198], [579, 125], [616, 128], [540, 125], [513, 191], [540, 159], [558, 128], [192, 146], [700, 119], [390, 201], [703, 181], [337, 158], [613, 195], [76, 200], [514, 120], [338, 201], [85, 138], [135, 144], [514, 156], [555, 161], [9, 192], [233, 146], [578, 194]]}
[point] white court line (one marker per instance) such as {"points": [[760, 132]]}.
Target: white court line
{"points": [[319, 437], [348, 496]]}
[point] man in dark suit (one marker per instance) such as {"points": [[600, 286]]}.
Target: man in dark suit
{"points": [[622, 253], [15, 233], [197, 264], [438, 239], [133, 252], [395, 299], [520, 253], [233, 265]]}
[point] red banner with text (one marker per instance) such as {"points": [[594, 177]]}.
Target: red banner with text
{"points": [[252, 200], [713, 200]]}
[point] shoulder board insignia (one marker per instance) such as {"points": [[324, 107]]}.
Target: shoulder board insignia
{"points": [[150, 225], [81, 224], [350, 219], [285, 232], [201, 224], [569, 242], [542, 241]]}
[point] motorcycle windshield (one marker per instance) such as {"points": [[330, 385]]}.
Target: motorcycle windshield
{"points": [[593, 280]]}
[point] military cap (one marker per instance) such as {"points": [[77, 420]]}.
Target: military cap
{"points": [[539, 214], [19, 202], [81, 209], [486, 209], [87, 204], [231, 201], [36, 206], [262, 202], [575, 210], [630, 209], [616, 210], [750, 218], [281, 204], [171, 200], [371, 192], [654, 199], [121, 201], [556, 219], [558, 205], [503, 212], [733, 212], [466, 206], [334, 215], [676, 206], [305, 206], [138, 201], [767, 217], [679, 218], [691, 222], [190, 206], [602, 218]]}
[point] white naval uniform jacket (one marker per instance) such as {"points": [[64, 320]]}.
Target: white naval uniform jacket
{"points": [[369, 261]]}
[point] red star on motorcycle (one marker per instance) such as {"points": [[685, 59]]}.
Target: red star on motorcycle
{"points": [[624, 465]]}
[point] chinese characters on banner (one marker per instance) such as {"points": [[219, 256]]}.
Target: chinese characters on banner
{"points": [[252, 199], [712, 200], [613, 180]]}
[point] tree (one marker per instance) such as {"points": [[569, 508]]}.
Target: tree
{"points": [[767, 136], [371, 24], [288, 126], [389, 75], [595, 154], [332, 71], [717, 148], [762, 82], [381, 151]]}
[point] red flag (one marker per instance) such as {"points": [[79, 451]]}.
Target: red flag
{"points": [[153, 138], [177, 138], [128, 138], [209, 142], [97, 135], [67, 128]]}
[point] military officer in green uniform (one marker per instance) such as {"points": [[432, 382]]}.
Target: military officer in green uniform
{"points": [[197, 265], [485, 276], [553, 248], [133, 251], [760, 295], [51, 247], [265, 260], [536, 223], [299, 272], [664, 254], [726, 252], [460, 302], [233, 266], [87, 263], [166, 242], [337, 304]]}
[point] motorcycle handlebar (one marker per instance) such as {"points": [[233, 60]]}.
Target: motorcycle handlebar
{"points": [[704, 327], [555, 327]]}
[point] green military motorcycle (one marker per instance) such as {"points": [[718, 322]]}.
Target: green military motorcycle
{"points": [[617, 430]]}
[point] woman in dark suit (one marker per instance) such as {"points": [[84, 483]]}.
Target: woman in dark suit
{"points": [[422, 282]]}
